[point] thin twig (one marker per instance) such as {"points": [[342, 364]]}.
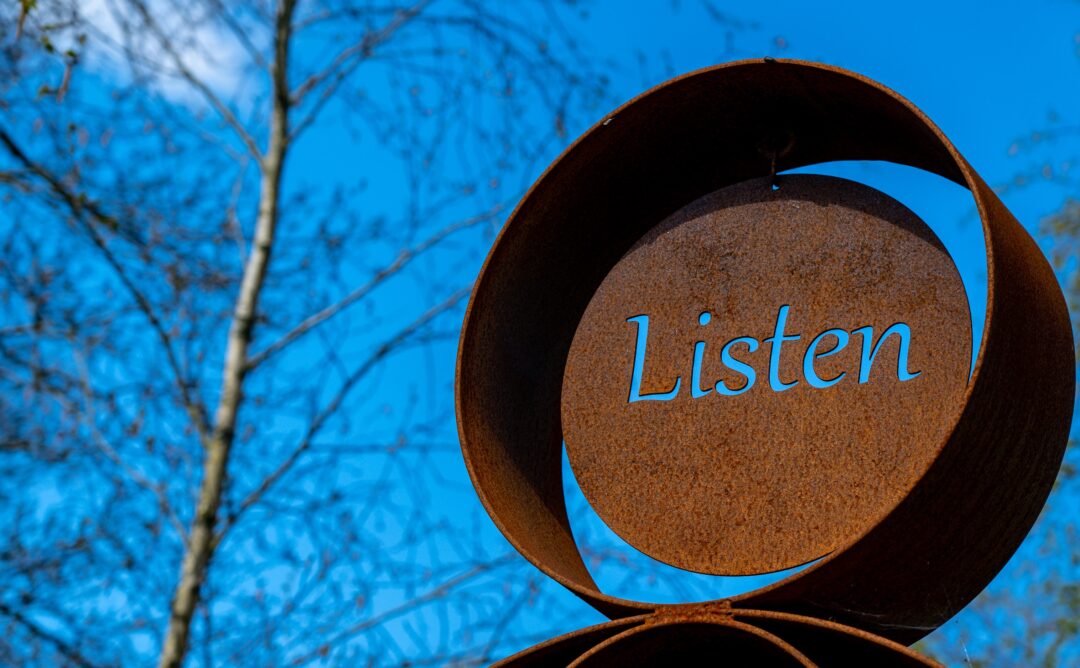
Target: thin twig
{"points": [[405, 607], [332, 406], [80, 206], [346, 62], [67, 650], [197, 83], [400, 262]]}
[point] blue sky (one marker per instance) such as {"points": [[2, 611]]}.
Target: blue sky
{"points": [[990, 74]]}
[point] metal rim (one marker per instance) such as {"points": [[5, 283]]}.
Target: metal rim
{"points": [[916, 566], [820, 643]]}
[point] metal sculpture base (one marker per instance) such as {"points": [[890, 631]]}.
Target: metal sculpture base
{"points": [[897, 570], [689, 634]]}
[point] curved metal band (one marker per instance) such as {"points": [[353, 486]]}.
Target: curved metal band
{"points": [[685, 643], [804, 640], [959, 524]]}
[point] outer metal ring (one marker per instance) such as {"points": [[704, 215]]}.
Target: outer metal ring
{"points": [[958, 525]]}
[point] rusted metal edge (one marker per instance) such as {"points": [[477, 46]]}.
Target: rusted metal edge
{"points": [[643, 645], [805, 641], [562, 650], [829, 644], [919, 564], [770, 480]]}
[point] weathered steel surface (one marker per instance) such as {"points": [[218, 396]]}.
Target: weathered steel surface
{"points": [[956, 524], [684, 635], [565, 649], [831, 644], [689, 643], [769, 478]]}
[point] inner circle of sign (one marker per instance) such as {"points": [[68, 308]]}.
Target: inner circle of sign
{"points": [[692, 462]]}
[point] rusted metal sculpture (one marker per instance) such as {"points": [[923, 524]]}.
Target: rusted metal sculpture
{"points": [[654, 273]]}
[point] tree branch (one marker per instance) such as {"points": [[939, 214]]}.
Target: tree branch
{"points": [[64, 648], [403, 259], [189, 76], [80, 206], [334, 404], [346, 62], [392, 613], [155, 488], [201, 544]]}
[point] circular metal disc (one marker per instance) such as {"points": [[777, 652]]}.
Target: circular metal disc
{"points": [[901, 577], [690, 461]]}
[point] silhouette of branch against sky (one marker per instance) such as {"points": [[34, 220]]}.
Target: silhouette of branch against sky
{"points": [[236, 242]]}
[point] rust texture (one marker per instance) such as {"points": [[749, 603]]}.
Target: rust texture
{"points": [[948, 497], [743, 637], [766, 480]]}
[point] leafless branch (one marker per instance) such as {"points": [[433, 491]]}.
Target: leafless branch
{"points": [[399, 263], [319, 421], [69, 652], [198, 84], [392, 613], [79, 207]]}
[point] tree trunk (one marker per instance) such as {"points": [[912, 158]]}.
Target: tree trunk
{"points": [[200, 546]]}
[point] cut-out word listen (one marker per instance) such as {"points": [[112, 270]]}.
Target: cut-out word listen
{"points": [[839, 340]]}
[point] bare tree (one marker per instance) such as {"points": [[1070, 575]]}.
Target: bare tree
{"points": [[234, 243], [234, 237]]}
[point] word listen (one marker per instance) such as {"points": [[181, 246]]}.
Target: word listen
{"points": [[776, 342]]}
